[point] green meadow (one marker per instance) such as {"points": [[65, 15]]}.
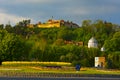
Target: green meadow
{"points": [[41, 67]]}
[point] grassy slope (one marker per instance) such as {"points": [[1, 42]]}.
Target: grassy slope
{"points": [[28, 67]]}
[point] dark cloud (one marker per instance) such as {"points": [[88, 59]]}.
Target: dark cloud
{"points": [[73, 10]]}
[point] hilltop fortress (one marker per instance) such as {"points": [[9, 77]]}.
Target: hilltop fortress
{"points": [[55, 23]]}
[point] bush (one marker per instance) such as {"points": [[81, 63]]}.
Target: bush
{"points": [[113, 61]]}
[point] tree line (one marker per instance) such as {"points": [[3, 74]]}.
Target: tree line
{"points": [[20, 43]]}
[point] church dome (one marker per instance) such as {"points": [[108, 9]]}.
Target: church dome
{"points": [[103, 49], [92, 43]]}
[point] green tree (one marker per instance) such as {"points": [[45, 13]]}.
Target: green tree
{"points": [[35, 54], [86, 23], [22, 29], [79, 34], [9, 28], [12, 48], [65, 34], [113, 60], [1, 26], [24, 23], [70, 57], [91, 53], [113, 44]]}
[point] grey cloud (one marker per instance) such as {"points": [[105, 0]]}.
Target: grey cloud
{"points": [[65, 9]]}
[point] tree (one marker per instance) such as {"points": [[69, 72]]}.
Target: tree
{"points": [[38, 48], [65, 34], [79, 34], [86, 23], [59, 42], [113, 44], [22, 29], [90, 53], [70, 57], [24, 23], [1, 26], [113, 60], [11, 47], [9, 28]]}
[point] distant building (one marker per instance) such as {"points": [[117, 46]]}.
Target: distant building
{"points": [[103, 49], [80, 43], [57, 23], [100, 62], [30, 25], [92, 43]]}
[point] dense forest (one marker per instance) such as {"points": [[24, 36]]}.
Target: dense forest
{"points": [[20, 43]]}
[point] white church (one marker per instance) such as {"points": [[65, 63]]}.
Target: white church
{"points": [[92, 43]]}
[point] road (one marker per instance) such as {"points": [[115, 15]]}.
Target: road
{"points": [[63, 78]]}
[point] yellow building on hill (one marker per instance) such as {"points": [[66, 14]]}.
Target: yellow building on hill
{"points": [[50, 23], [57, 23]]}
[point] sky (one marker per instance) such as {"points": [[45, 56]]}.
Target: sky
{"points": [[13, 11]]}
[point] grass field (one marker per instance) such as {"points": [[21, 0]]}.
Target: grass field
{"points": [[33, 63], [40, 67]]}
